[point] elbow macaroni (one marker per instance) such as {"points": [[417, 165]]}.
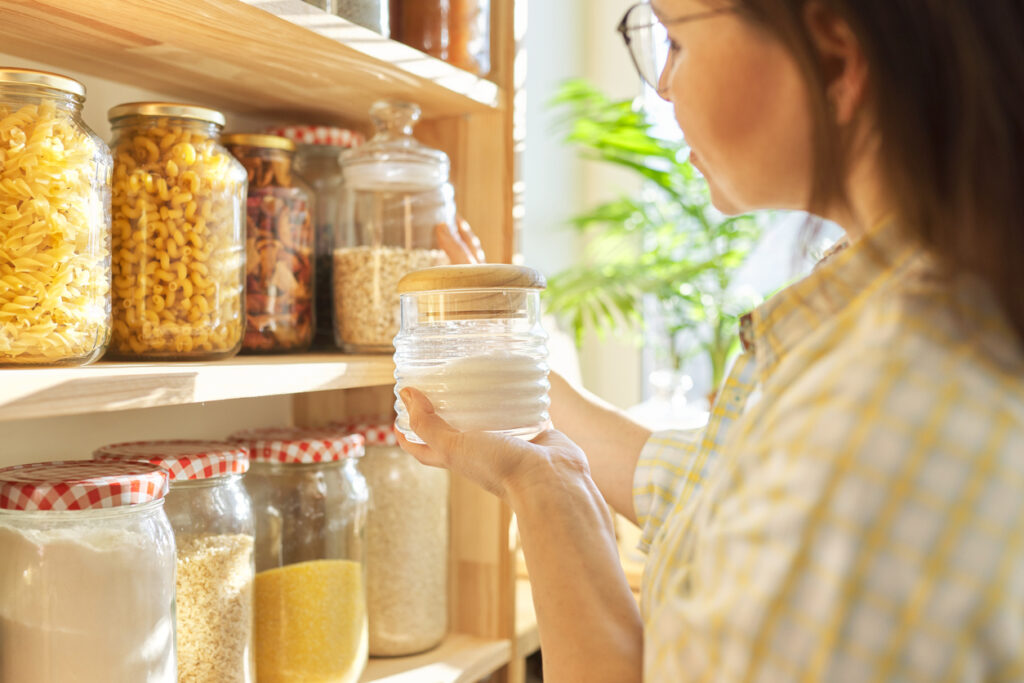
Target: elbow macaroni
{"points": [[178, 202], [54, 244]]}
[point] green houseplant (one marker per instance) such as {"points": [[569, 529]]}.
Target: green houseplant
{"points": [[662, 253]]}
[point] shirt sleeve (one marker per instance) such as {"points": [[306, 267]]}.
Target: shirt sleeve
{"points": [[670, 467]]}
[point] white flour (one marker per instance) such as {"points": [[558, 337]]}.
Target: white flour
{"points": [[493, 391], [85, 605]]}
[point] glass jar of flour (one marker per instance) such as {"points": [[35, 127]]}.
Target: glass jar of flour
{"points": [[86, 574], [471, 340]]}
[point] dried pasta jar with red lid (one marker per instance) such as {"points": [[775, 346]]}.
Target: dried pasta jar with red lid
{"points": [[310, 504], [318, 161], [178, 234], [210, 513], [279, 242], [86, 574], [396, 194], [54, 224], [473, 342], [407, 545]]}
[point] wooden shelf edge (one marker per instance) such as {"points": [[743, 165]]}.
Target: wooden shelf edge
{"points": [[459, 659], [276, 58], [103, 387]]}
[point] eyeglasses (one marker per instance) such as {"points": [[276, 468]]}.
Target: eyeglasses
{"points": [[647, 39]]}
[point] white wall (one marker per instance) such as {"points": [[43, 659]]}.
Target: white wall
{"points": [[571, 39]]}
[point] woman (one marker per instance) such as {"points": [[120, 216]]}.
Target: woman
{"points": [[855, 508]]}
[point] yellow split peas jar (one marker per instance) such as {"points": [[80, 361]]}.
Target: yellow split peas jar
{"points": [[178, 222]]}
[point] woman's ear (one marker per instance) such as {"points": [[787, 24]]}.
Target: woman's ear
{"points": [[843, 65]]}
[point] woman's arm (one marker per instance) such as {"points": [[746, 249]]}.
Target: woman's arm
{"points": [[589, 624], [611, 440]]}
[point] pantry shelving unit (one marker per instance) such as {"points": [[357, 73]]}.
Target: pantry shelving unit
{"points": [[288, 61]]}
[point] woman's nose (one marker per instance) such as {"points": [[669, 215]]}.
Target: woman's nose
{"points": [[664, 92]]}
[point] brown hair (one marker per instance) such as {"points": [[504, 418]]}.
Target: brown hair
{"points": [[947, 92]]}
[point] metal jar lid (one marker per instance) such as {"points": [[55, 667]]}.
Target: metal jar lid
{"points": [[258, 140], [170, 109], [43, 78]]}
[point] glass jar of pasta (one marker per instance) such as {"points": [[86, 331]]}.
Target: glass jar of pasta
{"points": [[278, 246], [310, 506], [210, 513], [178, 234], [54, 224]]}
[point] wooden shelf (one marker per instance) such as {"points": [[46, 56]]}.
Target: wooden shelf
{"points": [[280, 58], [459, 659], [43, 392]]}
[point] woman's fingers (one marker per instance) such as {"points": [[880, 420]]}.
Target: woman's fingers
{"points": [[471, 241], [440, 436], [460, 242], [450, 240]]}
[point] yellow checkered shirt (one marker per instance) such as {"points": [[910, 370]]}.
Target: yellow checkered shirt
{"points": [[854, 510]]}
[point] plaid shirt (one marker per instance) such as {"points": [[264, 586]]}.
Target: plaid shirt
{"points": [[863, 519]]}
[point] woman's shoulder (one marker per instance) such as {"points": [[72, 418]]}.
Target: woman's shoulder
{"points": [[919, 357]]}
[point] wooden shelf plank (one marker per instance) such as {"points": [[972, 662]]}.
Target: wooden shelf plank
{"points": [[42, 392], [459, 659], [280, 58]]}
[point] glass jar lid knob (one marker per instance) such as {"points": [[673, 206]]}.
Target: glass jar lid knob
{"points": [[393, 117]]}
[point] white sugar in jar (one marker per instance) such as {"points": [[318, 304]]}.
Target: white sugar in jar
{"points": [[471, 339], [86, 574]]}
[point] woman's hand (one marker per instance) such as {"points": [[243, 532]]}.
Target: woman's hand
{"points": [[460, 243], [587, 617], [503, 465]]}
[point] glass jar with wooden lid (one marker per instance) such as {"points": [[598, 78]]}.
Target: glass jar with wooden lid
{"points": [[472, 340], [178, 234]]}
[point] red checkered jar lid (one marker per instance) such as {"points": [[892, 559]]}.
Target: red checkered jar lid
{"points": [[376, 433], [80, 485], [300, 446], [183, 459], [320, 135]]}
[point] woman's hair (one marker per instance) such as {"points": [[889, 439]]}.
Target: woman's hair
{"points": [[946, 86]]}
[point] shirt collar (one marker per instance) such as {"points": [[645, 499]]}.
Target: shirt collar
{"points": [[847, 271]]}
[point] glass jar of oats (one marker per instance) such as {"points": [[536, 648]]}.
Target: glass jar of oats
{"points": [[210, 513], [54, 224], [178, 234], [396, 195]]}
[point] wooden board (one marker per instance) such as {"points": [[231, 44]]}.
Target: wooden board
{"points": [[40, 392], [459, 659], [279, 58]]}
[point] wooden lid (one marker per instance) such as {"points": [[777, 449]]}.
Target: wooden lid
{"points": [[482, 276]]}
